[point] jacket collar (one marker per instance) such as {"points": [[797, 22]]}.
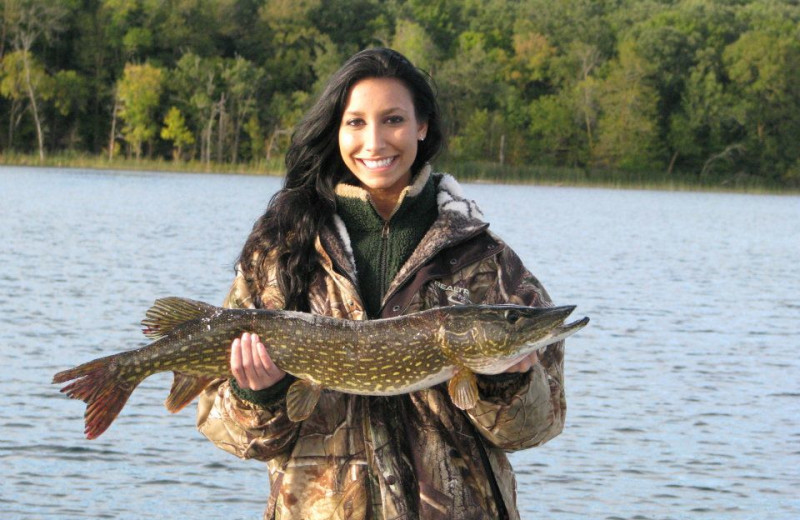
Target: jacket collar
{"points": [[459, 220]]}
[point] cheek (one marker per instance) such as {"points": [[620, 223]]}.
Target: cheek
{"points": [[407, 140], [413, 148], [344, 145], [347, 142]]}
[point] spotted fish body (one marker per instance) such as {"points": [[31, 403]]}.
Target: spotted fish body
{"points": [[377, 357]]}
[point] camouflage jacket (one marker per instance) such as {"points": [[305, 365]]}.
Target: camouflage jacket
{"points": [[409, 456]]}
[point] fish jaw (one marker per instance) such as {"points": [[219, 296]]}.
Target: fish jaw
{"points": [[491, 365]]}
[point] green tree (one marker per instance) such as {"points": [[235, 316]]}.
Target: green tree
{"points": [[764, 68], [554, 135], [242, 81], [470, 81], [627, 126], [26, 84], [293, 43], [285, 112], [175, 130], [443, 20], [350, 24], [257, 141], [700, 129], [415, 43], [28, 22], [139, 93], [70, 94], [195, 84]]}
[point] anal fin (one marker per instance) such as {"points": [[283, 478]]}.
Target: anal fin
{"points": [[463, 389], [185, 388], [301, 399]]}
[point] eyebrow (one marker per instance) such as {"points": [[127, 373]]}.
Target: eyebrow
{"points": [[383, 112]]}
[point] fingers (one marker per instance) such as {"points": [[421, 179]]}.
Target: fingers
{"points": [[251, 365], [269, 366], [524, 364], [236, 361], [247, 359]]}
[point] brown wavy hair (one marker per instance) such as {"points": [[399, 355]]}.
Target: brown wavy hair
{"points": [[287, 231]]}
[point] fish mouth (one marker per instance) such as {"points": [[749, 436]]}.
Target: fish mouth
{"points": [[543, 318], [543, 326], [546, 325]]}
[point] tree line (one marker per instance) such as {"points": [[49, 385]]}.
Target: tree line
{"points": [[697, 87]]}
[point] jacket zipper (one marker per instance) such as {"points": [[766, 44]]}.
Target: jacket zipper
{"points": [[384, 259]]}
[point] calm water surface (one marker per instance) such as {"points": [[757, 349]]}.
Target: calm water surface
{"points": [[683, 393]]}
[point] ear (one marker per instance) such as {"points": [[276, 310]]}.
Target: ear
{"points": [[422, 131]]}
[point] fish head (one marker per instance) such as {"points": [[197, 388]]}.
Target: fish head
{"points": [[489, 339]]}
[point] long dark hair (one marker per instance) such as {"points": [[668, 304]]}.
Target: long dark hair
{"points": [[286, 233]]}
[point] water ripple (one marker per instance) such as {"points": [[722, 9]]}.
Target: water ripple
{"points": [[683, 392]]}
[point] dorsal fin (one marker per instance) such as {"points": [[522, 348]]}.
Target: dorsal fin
{"points": [[168, 313]]}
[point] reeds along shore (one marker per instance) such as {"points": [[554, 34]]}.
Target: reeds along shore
{"points": [[479, 172]]}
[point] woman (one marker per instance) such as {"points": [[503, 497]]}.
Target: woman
{"points": [[363, 229]]}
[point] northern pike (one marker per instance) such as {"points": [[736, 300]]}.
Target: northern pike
{"points": [[388, 356]]}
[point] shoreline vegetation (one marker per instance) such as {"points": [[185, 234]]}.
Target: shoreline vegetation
{"points": [[667, 94], [472, 171]]}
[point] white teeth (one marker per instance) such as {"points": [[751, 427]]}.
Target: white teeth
{"points": [[383, 163]]}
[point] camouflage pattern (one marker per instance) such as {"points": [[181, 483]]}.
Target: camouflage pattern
{"points": [[409, 456]]}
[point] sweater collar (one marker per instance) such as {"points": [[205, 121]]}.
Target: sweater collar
{"points": [[355, 205]]}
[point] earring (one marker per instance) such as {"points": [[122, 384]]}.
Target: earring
{"points": [[422, 138]]}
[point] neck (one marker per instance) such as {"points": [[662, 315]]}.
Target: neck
{"points": [[385, 201]]}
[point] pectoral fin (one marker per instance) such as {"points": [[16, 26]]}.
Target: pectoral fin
{"points": [[463, 389], [301, 398]]}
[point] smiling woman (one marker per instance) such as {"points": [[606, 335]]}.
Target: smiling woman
{"points": [[378, 139], [363, 229]]}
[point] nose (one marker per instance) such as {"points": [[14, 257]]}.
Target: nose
{"points": [[373, 139]]}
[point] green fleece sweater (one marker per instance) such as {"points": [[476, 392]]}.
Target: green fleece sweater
{"points": [[381, 247]]}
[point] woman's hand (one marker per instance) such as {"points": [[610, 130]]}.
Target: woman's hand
{"points": [[524, 364], [251, 365]]}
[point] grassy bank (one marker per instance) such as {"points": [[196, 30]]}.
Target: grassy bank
{"points": [[559, 176], [98, 162], [465, 171]]}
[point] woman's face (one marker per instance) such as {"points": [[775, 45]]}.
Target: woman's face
{"points": [[378, 135]]}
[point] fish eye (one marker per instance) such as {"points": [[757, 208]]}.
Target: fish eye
{"points": [[512, 316]]}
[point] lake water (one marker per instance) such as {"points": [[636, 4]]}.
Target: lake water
{"points": [[683, 393]]}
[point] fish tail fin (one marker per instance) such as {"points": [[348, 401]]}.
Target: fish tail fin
{"points": [[185, 388], [96, 384]]}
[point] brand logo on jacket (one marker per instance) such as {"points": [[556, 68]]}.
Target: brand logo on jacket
{"points": [[455, 295]]}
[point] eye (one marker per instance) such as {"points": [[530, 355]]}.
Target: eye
{"points": [[512, 316], [395, 120], [354, 122]]}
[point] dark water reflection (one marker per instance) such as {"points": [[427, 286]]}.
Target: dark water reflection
{"points": [[684, 395]]}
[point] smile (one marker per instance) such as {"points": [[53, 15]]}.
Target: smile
{"points": [[378, 164]]}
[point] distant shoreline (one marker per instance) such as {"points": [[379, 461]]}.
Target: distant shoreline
{"points": [[477, 172]]}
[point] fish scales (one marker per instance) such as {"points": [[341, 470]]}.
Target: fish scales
{"points": [[375, 357]]}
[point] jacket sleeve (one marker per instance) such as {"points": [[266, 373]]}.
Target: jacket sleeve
{"points": [[518, 411], [248, 428]]}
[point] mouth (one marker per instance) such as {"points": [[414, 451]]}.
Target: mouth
{"points": [[378, 164]]}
